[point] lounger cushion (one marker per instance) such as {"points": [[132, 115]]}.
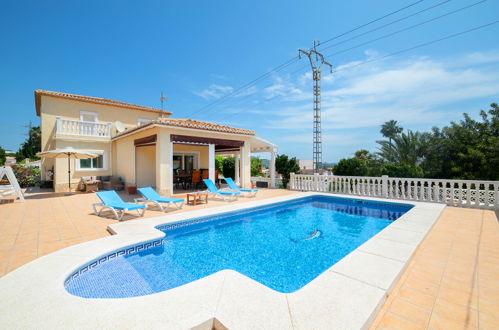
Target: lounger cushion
{"points": [[228, 192], [168, 200], [127, 206]]}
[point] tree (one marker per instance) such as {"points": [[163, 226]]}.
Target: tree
{"points": [[285, 166], [464, 150], [31, 146], [256, 166], [2, 156], [219, 164], [363, 154], [390, 129], [351, 167], [403, 148], [229, 169]]}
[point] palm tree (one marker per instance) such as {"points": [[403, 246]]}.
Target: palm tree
{"points": [[403, 149], [390, 129]]}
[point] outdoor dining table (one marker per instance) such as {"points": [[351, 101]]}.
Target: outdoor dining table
{"points": [[182, 179]]}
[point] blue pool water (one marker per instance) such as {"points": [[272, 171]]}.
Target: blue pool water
{"points": [[283, 246]]}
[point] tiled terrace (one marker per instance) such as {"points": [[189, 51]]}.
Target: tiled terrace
{"points": [[47, 222], [452, 282]]}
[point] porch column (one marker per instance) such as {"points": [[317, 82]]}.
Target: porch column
{"points": [[211, 162], [237, 172], [164, 164], [272, 168], [245, 166]]}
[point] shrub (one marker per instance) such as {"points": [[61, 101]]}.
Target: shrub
{"points": [[229, 169], [402, 171], [351, 167], [27, 176], [285, 166]]}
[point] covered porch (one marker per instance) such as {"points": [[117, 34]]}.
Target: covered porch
{"points": [[174, 161]]}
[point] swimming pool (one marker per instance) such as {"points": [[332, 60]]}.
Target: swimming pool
{"points": [[283, 246]]}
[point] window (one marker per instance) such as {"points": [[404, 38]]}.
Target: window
{"points": [[185, 161], [89, 116], [93, 164], [142, 121], [177, 162]]}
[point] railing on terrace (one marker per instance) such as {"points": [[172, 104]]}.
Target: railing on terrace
{"points": [[464, 193], [257, 179], [82, 128]]}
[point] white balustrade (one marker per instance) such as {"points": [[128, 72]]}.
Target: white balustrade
{"points": [[82, 128], [464, 193]]}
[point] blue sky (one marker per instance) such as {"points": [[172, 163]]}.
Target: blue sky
{"points": [[198, 51]]}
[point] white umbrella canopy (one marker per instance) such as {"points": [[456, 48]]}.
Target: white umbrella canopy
{"points": [[67, 153]]}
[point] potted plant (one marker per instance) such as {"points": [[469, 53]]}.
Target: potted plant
{"points": [[132, 190]]}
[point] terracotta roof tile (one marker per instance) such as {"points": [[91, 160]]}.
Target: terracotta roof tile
{"points": [[192, 124], [91, 99]]}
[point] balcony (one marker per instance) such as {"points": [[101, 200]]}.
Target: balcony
{"points": [[82, 128]]}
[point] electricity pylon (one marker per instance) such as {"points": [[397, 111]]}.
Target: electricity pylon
{"points": [[317, 61]]}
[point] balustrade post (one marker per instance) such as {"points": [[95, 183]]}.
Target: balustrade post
{"points": [[292, 181], [384, 186]]}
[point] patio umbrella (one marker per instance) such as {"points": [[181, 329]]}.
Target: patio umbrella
{"points": [[67, 153]]}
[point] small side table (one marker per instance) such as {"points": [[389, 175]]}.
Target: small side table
{"points": [[193, 198]]}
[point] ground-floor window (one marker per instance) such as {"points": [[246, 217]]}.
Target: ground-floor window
{"points": [[98, 163]]}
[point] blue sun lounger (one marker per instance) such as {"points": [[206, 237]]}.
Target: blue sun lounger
{"points": [[112, 201], [212, 189], [233, 186], [151, 196]]}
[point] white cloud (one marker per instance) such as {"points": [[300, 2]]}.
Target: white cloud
{"points": [[214, 91]]}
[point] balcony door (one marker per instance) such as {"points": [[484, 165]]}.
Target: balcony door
{"points": [[89, 116]]}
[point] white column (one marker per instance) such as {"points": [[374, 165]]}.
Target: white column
{"points": [[245, 166], [211, 162], [237, 171], [272, 169], [164, 164]]}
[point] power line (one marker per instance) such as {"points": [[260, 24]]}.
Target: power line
{"points": [[387, 24], [419, 45], [373, 21], [295, 59], [408, 28], [386, 56], [247, 85]]}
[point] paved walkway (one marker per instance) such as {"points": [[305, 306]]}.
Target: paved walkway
{"points": [[47, 222], [452, 282]]}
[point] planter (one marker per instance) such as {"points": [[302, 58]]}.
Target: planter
{"points": [[132, 190]]}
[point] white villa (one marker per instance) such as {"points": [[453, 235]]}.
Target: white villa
{"points": [[142, 145]]}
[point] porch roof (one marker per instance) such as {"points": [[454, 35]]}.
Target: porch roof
{"points": [[261, 145], [186, 123]]}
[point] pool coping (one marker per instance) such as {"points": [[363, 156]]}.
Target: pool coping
{"points": [[347, 295]]}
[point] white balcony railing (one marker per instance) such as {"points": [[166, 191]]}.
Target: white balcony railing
{"points": [[82, 128], [464, 193]]}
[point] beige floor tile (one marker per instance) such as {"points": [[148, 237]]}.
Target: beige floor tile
{"points": [[448, 315], [422, 286], [487, 321], [392, 321], [408, 311], [416, 297]]}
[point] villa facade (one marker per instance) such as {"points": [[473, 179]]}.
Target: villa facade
{"points": [[142, 145]]}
